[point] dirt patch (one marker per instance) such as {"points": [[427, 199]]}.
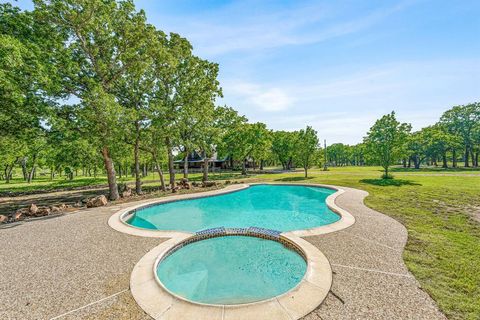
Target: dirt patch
{"points": [[474, 212]]}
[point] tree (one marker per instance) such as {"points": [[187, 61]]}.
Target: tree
{"points": [[307, 144], [198, 90], [26, 86], [211, 137], [439, 142], [100, 43], [243, 139], [283, 146], [133, 89], [385, 141], [461, 121], [262, 144], [416, 147]]}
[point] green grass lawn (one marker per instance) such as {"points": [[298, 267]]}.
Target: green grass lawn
{"points": [[436, 206], [443, 249]]}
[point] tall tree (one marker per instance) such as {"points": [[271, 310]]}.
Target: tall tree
{"points": [[307, 144], [100, 43], [385, 141], [26, 83], [198, 89]]}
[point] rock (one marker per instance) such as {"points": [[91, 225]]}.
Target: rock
{"points": [[33, 209], [3, 218], [228, 182], [42, 212], [23, 211], [124, 190], [78, 204], [195, 184], [63, 206], [55, 209], [127, 193], [99, 201], [208, 184], [17, 216]]}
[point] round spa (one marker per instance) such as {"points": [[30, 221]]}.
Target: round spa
{"points": [[231, 269]]}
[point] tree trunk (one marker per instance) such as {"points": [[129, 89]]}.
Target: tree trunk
{"points": [[244, 167], [136, 152], [474, 164], [8, 173], [24, 168], [261, 164], [112, 179], [30, 175], [454, 158], [160, 172], [185, 165], [476, 159], [416, 162], [467, 153], [409, 162], [205, 169], [306, 172], [444, 160], [171, 169], [7, 176]]}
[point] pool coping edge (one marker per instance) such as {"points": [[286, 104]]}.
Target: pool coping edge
{"points": [[297, 302], [117, 220]]}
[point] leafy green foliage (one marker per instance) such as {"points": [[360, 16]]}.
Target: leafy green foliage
{"points": [[305, 147], [385, 141]]}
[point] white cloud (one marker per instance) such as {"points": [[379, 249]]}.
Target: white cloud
{"points": [[270, 99], [236, 27]]}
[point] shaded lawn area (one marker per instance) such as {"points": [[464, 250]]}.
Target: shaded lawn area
{"points": [[443, 249], [44, 184]]}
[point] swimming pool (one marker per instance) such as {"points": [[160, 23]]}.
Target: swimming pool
{"points": [[231, 270], [278, 207]]}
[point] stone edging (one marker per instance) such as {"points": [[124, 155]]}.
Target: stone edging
{"points": [[117, 220], [159, 303]]}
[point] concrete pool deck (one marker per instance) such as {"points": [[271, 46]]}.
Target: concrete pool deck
{"points": [[77, 267]]}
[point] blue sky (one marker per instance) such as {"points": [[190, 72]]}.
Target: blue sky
{"points": [[335, 65]]}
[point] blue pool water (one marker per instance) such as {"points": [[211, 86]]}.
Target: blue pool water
{"points": [[231, 270], [278, 207]]}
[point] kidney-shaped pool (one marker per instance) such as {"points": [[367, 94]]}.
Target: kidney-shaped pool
{"points": [[277, 207]]}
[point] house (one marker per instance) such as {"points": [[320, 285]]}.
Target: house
{"points": [[195, 161]]}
